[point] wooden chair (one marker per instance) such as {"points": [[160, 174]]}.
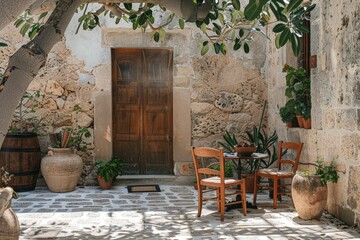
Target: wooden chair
{"points": [[215, 181], [279, 173]]}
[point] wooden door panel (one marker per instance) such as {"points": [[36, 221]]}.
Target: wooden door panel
{"points": [[142, 109], [155, 123], [121, 150], [157, 107], [157, 158], [128, 95]]}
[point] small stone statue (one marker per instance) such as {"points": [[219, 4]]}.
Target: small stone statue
{"points": [[9, 223]]}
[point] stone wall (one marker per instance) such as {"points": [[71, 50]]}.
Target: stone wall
{"points": [[335, 133], [210, 94]]}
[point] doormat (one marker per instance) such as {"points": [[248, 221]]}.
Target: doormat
{"points": [[143, 188]]}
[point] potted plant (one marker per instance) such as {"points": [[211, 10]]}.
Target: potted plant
{"points": [[298, 93], [264, 144], [309, 191], [107, 171], [20, 151], [62, 168]]}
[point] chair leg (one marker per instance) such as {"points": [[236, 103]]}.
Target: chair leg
{"points": [[275, 192], [243, 197], [200, 200], [218, 199], [222, 203], [256, 178]]}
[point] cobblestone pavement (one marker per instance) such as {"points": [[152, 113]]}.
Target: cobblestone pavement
{"points": [[91, 213]]}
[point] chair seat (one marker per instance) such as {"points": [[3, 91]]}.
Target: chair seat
{"points": [[216, 180], [275, 172]]}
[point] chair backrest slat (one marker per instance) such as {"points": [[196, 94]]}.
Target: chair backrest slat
{"points": [[204, 152], [296, 146]]}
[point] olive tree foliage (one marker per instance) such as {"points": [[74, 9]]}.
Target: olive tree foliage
{"points": [[224, 23]]}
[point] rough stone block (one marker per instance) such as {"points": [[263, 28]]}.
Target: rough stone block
{"points": [[350, 145], [201, 107], [353, 188], [346, 215], [229, 102], [184, 168], [346, 119], [54, 88]]}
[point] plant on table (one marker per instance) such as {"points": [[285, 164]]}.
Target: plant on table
{"points": [[257, 137]]}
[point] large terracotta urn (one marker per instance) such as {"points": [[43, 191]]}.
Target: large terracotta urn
{"points": [[309, 195], [61, 169]]}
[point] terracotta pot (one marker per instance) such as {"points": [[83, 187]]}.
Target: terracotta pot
{"points": [[308, 195], [292, 123], [249, 182], [300, 121], [61, 169], [307, 123], [103, 184]]}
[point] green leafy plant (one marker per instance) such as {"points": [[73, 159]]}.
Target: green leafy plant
{"points": [[72, 138], [257, 137], [5, 178], [298, 93], [326, 172], [229, 168], [109, 170], [225, 23], [25, 118]]}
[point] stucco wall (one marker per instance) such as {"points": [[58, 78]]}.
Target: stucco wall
{"points": [[335, 86]]}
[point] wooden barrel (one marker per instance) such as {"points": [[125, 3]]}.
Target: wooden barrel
{"points": [[20, 155]]}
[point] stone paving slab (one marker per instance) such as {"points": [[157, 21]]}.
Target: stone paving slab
{"points": [[91, 213]]}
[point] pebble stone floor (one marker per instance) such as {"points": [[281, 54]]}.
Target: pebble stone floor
{"points": [[91, 213]]}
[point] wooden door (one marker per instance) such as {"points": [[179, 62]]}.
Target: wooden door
{"points": [[142, 109]]}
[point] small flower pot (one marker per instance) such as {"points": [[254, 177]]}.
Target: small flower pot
{"points": [[307, 123], [300, 121], [103, 184]]}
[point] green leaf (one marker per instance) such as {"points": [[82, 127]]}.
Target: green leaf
{"points": [[237, 46], [241, 32], [203, 27], [298, 86], [24, 29], [295, 44], [236, 4], [142, 19], [222, 18], [204, 49], [181, 23], [156, 37], [2, 44], [277, 41], [293, 4], [246, 48], [18, 22], [284, 37], [217, 47], [288, 92], [254, 8], [302, 28], [128, 6], [223, 48], [42, 15], [279, 28], [117, 20]]}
